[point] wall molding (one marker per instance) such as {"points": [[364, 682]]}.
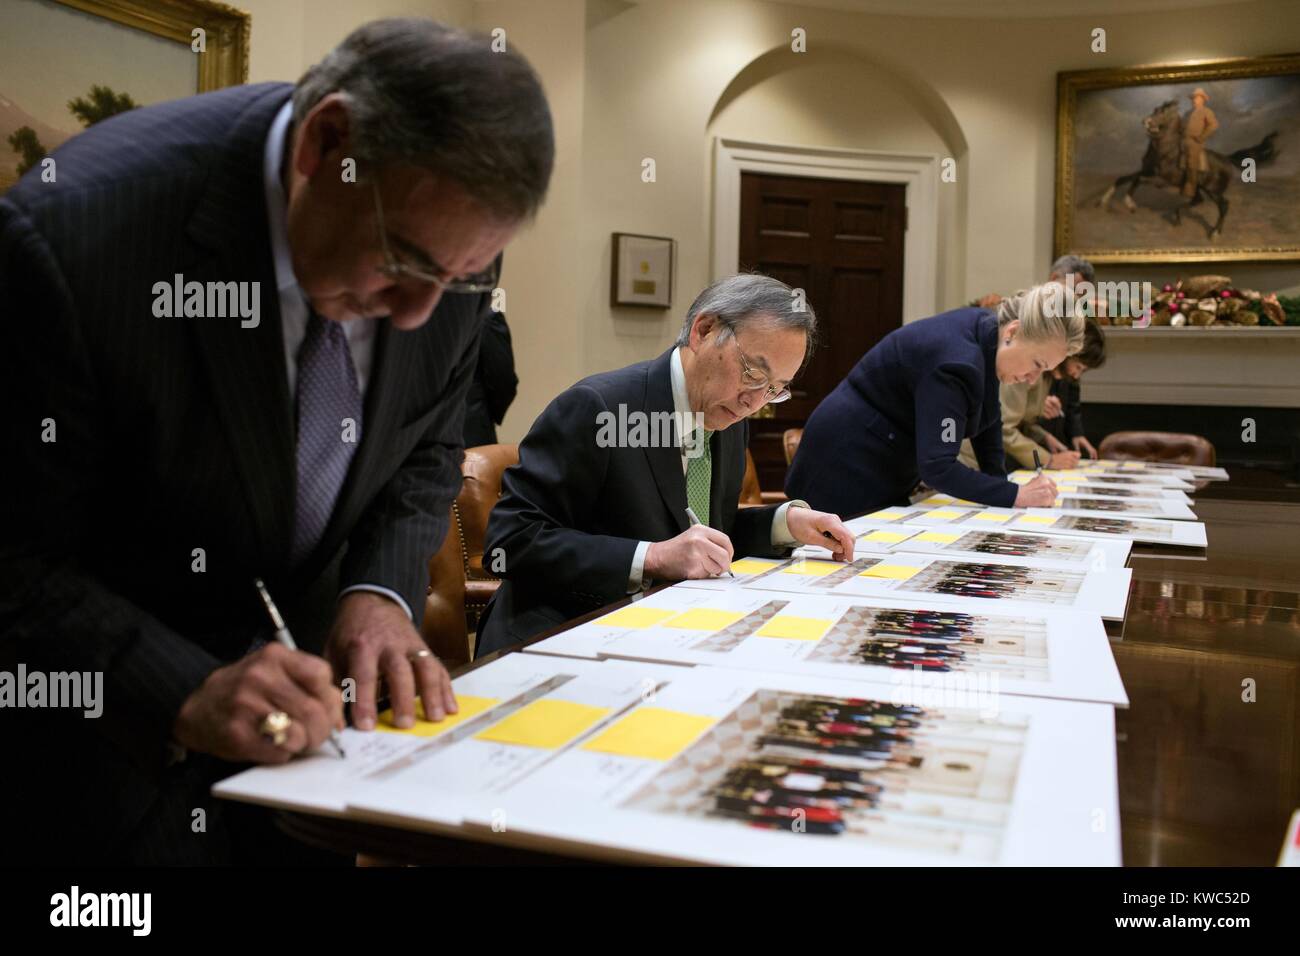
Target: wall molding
{"points": [[917, 171], [1233, 367]]}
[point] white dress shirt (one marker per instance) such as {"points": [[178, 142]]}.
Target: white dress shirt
{"points": [[294, 310], [682, 408]]}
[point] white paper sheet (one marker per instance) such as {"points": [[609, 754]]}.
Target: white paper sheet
{"points": [[1081, 503], [1189, 534], [1198, 472], [323, 782], [1015, 586], [1045, 549], [1118, 479], [1049, 654], [736, 767], [1125, 491]]}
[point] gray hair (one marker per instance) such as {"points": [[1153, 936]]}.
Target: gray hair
{"points": [[422, 93], [1074, 265], [747, 298]]}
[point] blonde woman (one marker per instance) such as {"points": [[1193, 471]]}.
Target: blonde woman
{"points": [[901, 414]]}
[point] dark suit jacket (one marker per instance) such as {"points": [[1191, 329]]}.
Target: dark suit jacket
{"points": [[1069, 424], [900, 415], [572, 512], [495, 383], [177, 434]]}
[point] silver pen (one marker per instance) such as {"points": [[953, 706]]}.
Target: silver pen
{"points": [[284, 637], [694, 519]]}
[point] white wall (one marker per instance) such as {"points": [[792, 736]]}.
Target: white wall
{"points": [[661, 78], [654, 73]]}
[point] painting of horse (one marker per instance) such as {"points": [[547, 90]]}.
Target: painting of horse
{"points": [[1191, 162]]}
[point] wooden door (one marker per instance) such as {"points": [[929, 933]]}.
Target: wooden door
{"points": [[841, 241]]}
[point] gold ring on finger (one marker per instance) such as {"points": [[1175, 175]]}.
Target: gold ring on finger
{"points": [[275, 726]]}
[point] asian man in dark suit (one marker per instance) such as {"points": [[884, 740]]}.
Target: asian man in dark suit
{"points": [[240, 329], [596, 509]]}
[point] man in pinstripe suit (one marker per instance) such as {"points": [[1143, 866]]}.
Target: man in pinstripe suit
{"points": [[156, 463]]}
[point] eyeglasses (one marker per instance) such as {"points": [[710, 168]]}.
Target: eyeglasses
{"points": [[753, 379], [485, 281]]}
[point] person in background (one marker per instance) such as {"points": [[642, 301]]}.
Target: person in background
{"points": [[495, 383], [1023, 437], [1062, 416], [903, 411], [1062, 270]]}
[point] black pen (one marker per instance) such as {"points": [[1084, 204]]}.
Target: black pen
{"points": [[284, 637]]}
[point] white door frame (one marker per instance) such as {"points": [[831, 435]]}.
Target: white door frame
{"points": [[917, 171]]}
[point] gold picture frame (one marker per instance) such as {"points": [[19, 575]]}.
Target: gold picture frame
{"points": [[67, 64], [223, 63], [1124, 236]]}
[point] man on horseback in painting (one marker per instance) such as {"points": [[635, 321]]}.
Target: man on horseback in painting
{"points": [[1199, 126]]}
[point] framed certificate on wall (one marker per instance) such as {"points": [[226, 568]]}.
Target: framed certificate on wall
{"points": [[642, 271]]}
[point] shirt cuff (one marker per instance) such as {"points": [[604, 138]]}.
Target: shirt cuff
{"points": [[781, 537], [386, 592], [635, 577]]}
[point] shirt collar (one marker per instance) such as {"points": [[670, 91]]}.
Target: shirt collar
{"points": [[682, 413], [276, 202], [681, 403]]}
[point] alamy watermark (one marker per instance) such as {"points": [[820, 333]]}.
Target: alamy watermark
{"points": [[639, 429], [208, 300], [77, 690], [1123, 299], [967, 691]]}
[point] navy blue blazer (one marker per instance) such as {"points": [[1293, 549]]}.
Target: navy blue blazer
{"points": [[176, 434], [572, 512], [900, 415]]}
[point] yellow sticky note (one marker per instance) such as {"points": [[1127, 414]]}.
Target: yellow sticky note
{"points": [[752, 566], [895, 572], [811, 567], [938, 537], [795, 628], [889, 537], [704, 619], [887, 514], [1094, 471], [651, 733], [941, 499], [943, 513], [1056, 503], [1039, 519], [633, 616], [990, 516], [546, 723], [1065, 487], [469, 705]]}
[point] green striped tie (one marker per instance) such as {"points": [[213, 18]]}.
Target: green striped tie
{"points": [[699, 475]]}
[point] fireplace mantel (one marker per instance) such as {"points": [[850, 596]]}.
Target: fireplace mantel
{"points": [[1232, 366]]}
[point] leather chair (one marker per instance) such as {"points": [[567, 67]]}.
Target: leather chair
{"points": [[790, 438], [751, 495], [459, 584], [1171, 447]]}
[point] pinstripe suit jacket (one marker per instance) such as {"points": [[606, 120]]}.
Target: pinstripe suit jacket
{"points": [[176, 434]]}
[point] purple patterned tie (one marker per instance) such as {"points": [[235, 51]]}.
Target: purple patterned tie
{"points": [[329, 429]]}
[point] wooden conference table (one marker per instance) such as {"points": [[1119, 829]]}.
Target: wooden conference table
{"points": [[1206, 777]]}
